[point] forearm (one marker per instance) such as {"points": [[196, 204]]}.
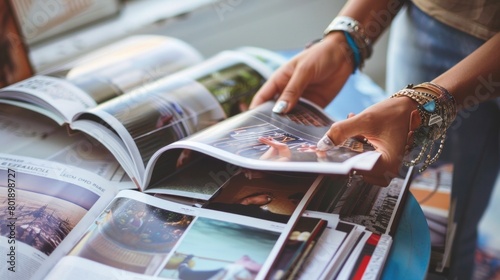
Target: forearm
{"points": [[477, 77], [374, 15]]}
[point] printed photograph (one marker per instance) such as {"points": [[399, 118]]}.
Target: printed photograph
{"points": [[211, 174], [156, 117], [215, 249], [233, 87], [266, 141], [300, 241], [132, 236], [341, 195], [46, 209], [263, 195]]}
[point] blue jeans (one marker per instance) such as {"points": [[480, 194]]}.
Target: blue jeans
{"points": [[420, 49]]}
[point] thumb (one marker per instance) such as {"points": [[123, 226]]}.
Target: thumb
{"points": [[354, 126], [339, 132]]}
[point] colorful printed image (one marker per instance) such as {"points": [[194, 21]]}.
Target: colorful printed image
{"points": [[133, 236], [268, 142], [172, 110], [220, 250], [356, 201], [46, 210], [263, 195], [233, 87]]}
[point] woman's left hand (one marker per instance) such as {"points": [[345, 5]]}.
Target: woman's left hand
{"points": [[385, 125]]}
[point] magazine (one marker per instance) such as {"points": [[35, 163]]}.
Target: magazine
{"points": [[27, 133], [175, 144], [152, 122], [62, 221], [65, 222], [374, 211], [59, 17]]}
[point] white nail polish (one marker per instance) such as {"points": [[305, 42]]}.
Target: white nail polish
{"points": [[325, 143], [280, 107]]}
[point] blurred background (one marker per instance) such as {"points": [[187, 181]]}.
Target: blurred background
{"points": [[208, 25]]}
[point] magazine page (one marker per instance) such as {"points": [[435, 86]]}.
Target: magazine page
{"points": [[260, 139], [59, 17], [300, 242], [377, 208], [374, 254], [367, 259], [26, 133], [348, 266], [332, 249], [21, 128], [102, 75], [60, 98], [263, 196], [142, 236], [47, 206], [253, 193], [216, 178], [153, 116], [211, 175]]}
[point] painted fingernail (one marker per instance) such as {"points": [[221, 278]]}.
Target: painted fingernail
{"points": [[325, 143], [280, 107]]}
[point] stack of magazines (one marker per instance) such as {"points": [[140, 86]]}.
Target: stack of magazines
{"points": [[141, 160]]}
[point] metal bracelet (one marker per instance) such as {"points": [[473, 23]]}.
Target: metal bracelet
{"points": [[436, 112], [357, 32]]}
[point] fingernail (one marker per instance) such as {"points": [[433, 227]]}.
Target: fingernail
{"points": [[280, 107], [325, 143]]}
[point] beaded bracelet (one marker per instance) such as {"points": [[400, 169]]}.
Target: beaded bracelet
{"points": [[451, 109], [429, 122]]}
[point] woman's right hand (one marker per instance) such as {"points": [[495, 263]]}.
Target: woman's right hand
{"points": [[317, 74]]}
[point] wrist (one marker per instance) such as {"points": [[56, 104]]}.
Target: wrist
{"points": [[337, 45], [356, 38], [436, 109]]}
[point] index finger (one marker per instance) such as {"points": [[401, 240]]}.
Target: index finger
{"points": [[265, 93]]}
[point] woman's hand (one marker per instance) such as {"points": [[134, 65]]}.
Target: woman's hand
{"points": [[385, 125], [318, 73], [277, 151]]}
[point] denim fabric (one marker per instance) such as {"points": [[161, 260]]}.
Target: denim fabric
{"points": [[420, 49]]}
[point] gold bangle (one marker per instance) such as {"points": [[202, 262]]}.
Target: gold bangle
{"points": [[435, 112]]}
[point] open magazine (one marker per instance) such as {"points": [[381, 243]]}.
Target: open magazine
{"points": [[125, 97], [65, 222], [203, 183], [205, 166]]}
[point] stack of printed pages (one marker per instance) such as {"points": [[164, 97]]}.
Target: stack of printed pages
{"points": [[141, 160]]}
